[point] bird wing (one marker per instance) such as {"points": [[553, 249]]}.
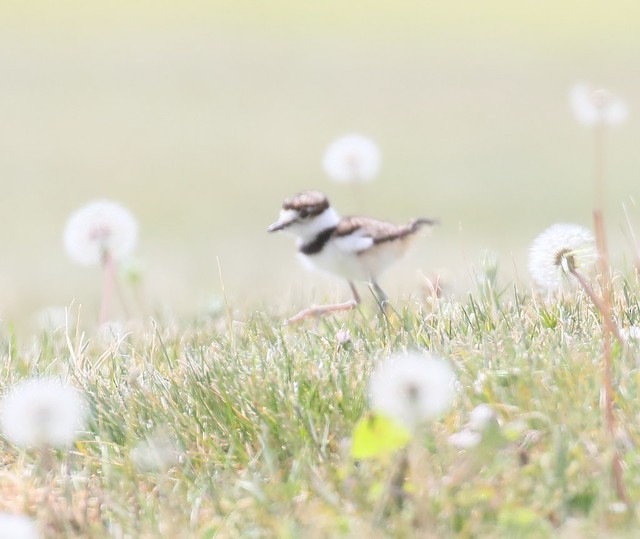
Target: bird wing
{"points": [[357, 234]]}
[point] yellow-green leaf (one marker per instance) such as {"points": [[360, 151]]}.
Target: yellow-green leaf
{"points": [[377, 436]]}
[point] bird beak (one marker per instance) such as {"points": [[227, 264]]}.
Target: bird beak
{"points": [[278, 225], [286, 218]]}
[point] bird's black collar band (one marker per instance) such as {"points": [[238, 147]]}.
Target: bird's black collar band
{"points": [[315, 246]]}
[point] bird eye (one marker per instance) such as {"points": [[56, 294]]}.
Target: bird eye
{"points": [[304, 213]]}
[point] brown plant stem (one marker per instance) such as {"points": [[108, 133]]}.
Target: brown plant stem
{"points": [[599, 304], [604, 305], [599, 165]]}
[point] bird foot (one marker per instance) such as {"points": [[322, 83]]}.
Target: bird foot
{"points": [[318, 310]]}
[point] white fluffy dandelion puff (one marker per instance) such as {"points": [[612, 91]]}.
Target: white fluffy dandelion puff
{"points": [[42, 412], [593, 106], [412, 388], [100, 230], [352, 158], [17, 527], [558, 252]]}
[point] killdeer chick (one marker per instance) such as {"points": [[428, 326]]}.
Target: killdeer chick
{"points": [[356, 248]]}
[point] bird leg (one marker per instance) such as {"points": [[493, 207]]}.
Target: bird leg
{"points": [[317, 310], [381, 297], [354, 291]]}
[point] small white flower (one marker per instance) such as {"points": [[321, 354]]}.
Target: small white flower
{"points": [[480, 417], [597, 106], [559, 250], [98, 230], [465, 439], [156, 453], [618, 508], [17, 527], [42, 412], [471, 436], [631, 334], [352, 158], [412, 388], [343, 337]]}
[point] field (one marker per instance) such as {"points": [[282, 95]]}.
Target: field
{"points": [[255, 423], [203, 414]]}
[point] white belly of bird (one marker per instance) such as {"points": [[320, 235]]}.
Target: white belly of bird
{"points": [[364, 266]]}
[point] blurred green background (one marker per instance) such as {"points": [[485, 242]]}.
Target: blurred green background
{"points": [[202, 116]]}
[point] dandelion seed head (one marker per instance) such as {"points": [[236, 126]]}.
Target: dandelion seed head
{"points": [[557, 252], [42, 412], [17, 527], [412, 388], [596, 106], [352, 158], [99, 229]]}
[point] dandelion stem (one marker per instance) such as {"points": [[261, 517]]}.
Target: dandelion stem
{"points": [[599, 304], [604, 305], [396, 487], [46, 461], [121, 295], [358, 193], [608, 329], [599, 163], [394, 494], [107, 287]]}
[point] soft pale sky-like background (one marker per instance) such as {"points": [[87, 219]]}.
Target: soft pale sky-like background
{"points": [[202, 116]]}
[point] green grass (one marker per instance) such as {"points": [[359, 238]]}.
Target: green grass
{"points": [[262, 416]]}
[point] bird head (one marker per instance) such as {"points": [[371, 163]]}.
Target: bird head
{"points": [[305, 214]]}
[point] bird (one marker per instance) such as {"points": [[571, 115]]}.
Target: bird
{"points": [[353, 247]]}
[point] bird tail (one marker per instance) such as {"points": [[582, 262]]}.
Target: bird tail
{"points": [[417, 224], [404, 231]]}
